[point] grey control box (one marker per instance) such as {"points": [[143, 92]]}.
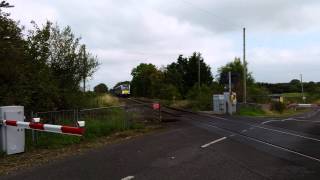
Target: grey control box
{"points": [[12, 139]]}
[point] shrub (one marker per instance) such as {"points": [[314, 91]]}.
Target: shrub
{"points": [[169, 92], [201, 99]]}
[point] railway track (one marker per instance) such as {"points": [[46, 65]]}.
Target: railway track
{"points": [[237, 129]]}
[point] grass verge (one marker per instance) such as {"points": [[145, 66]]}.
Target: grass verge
{"points": [[259, 112], [39, 156]]}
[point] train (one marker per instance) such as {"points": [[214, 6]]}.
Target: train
{"points": [[122, 90]]}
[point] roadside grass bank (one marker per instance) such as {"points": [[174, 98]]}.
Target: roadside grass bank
{"points": [[102, 126], [259, 112], [39, 156]]}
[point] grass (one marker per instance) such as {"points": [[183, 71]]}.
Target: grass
{"points": [[102, 100], [251, 111], [116, 121], [259, 112]]}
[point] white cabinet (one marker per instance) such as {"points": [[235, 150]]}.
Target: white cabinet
{"points": [[12, 139]]}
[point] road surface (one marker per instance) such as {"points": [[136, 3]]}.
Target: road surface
{"points": [[202, 147]]}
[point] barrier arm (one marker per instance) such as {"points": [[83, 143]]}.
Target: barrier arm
{"points": [[70, 130]]}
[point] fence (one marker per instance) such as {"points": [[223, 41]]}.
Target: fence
{"points": [[100, 121]]}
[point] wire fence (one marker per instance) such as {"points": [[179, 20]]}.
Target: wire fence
{"points": [[125, 114], [98, 121]]}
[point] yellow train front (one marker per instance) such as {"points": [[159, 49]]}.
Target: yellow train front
{"points": [[122, 90]]}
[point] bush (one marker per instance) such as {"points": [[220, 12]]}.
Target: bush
{"points": [[278, 106], [200, 99], [169, 92]]}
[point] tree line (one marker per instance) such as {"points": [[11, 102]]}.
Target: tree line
{"points": [[179, 80], [42, 68]]}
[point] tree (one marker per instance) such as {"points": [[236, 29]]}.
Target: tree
{"points": [[69, 63], [14, 65], [101, 88], [4, 4], [184, 73], [42, 69], [142, 79], [236, 68]]}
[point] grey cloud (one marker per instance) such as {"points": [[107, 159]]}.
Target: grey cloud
{"points": [[124, 33]]}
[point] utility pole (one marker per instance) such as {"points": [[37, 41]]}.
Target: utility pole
{"points": [[244, 68], [230, 91], [229, 74], [302, 93], [199, 74]]}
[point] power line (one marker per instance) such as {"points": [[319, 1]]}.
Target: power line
{"points": [[222, 20]]}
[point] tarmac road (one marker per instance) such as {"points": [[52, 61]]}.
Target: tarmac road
{"points": [[202, 147]]}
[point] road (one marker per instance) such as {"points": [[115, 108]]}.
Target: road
{"points": [[201, 146]]}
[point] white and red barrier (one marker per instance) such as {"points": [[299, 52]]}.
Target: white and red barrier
{"points": [[78, 131]]}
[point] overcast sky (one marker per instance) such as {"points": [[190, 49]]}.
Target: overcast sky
{"points": [[282, 36]]}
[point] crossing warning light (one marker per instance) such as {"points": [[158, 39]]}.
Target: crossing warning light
{"points": [[156, 106]]}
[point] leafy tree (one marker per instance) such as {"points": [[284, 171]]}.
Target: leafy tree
{"points": [[14, 65], [294, 85], [69, 63], [101, 88], [142, 79], [42, 69], [201, 99], [169, 92], [236, 68], [258, 94], [4, 4], [184, 73]]}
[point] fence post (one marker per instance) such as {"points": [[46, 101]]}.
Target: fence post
{"points": [[127, 119], [32, 131], [160, 117]]}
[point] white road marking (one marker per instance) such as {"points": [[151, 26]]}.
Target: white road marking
{"points": [[244, 131], [275, 146], [288, 133], [269, 121], [283, 132], [284, 149], [212, 142], [128, 178], [301, 120]]}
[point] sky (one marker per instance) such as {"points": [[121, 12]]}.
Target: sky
{"points": [[282, 37]]}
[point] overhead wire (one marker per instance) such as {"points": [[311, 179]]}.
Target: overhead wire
{"points": [[221, 19]]}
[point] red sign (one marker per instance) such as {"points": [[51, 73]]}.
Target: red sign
{"points": [[156, 106]]}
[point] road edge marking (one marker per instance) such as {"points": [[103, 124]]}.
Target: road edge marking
{"points": [[128, 178], [213, 142]]}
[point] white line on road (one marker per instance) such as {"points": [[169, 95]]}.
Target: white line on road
{"points": [[300, 120], [244, 131], [128, 178], [274, 130], [265, 122], [285, 149], [288, 133], [212, 142], [272, 145]]}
